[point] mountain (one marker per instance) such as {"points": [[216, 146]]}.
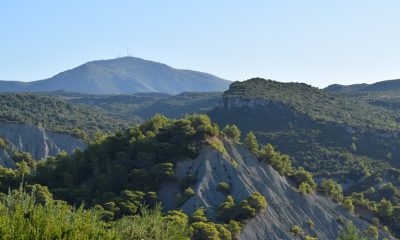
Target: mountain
{"points": [[208, 182], [388, 85], [329, 134], [124, 75]]}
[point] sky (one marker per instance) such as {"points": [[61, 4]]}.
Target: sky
{"points": [[312, 41]]}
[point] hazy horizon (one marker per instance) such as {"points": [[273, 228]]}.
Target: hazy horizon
{"points": [[313, 42]]}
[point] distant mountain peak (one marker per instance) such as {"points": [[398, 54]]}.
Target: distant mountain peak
{"points": [[125, 75]]}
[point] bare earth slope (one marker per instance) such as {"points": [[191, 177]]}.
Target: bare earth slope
{"points": [[245, 174], [35, 140]]}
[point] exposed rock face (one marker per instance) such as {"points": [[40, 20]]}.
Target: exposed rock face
{"points": [[35, 140], [246, 175]]}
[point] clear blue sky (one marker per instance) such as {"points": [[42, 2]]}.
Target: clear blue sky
{"points": [[317, 42]]}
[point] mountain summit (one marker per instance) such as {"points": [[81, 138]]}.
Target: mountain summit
{"points": [[124, 75]]}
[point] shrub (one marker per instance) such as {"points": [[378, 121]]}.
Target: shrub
{"points": [[235, 229], [217, 144], [187, 194], [225, 209], [232, 132], [3, 143], [310, 223], [305, 188], [310, 238], [332, 189], [257, 201], [372, 232], [243, 211], [297, 231], [205, 231], [224, 233], [348, 205], [224, 188], [350, 232], [199, 216], [250, 142]]}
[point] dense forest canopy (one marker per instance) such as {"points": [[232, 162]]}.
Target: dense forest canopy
{"points": [[318, 104], [54, 114]]}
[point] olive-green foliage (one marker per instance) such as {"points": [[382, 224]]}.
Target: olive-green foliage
{"points": [[177, 216], [310, 223], [235, 229], [305, 188], [348, 205], [332, 189], [224, 188], [350, 232], [372, 232], [223, 232], [205, 231], [55, 114], [225, 209], [217, 144], [139, 158], [181, 199], [318, 104], [257, 201], [246, 209], [310, 238], [304, 179], [151, 225], [297, 231], [250, 142], [22, 217], [3, 143], [199, 216], [232, 132]]}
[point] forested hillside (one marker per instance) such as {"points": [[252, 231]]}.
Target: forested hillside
{"points": [[127, 173], [329, 134], [54, 114]]}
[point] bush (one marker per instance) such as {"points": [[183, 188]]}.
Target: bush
{"points": [[205, 231], [372, 232], [225, 209], [310, 223], [350, 232], [187, 194], [199, 216], [235, 229], [250, 142], [348, 205], [224, 188], [232, 132], [257, 201], [297, 231], [305, 188], [224, 233], [332, 189], [3, 143]]}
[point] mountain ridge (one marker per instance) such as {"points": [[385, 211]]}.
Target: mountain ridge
{"points": [[124, 75], [386, 85]]}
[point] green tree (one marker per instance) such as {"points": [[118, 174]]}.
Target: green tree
{"points": [[205, 231], [232, 132], [348, 205], [385, 209], [372, 232], [199, 216], [250, 142], [350, 232]]}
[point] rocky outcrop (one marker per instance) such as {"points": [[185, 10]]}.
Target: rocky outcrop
{"points": [[35, 140], [246, 175]]}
